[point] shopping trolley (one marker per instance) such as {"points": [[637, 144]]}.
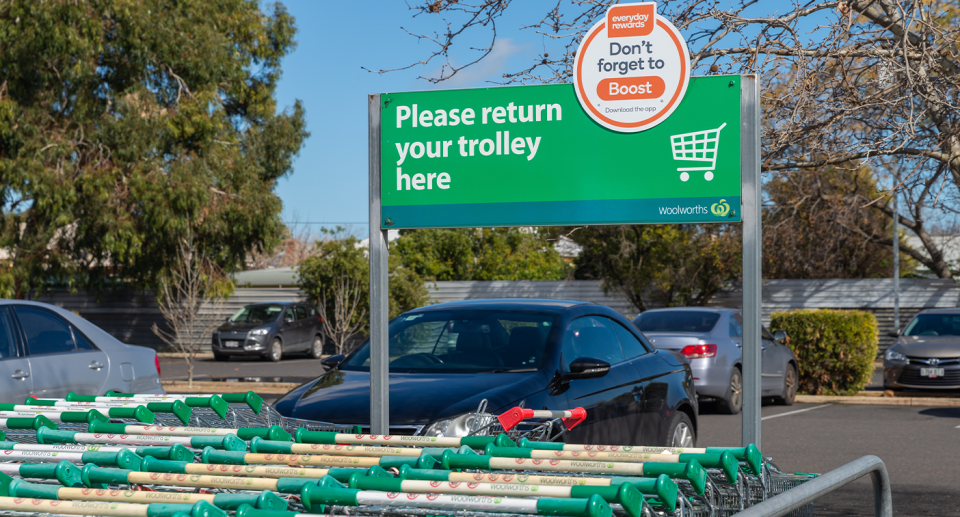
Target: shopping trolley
{"points": [[698, 146]]}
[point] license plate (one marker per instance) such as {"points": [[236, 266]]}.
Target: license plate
{"points": [[931, 372], [236, 344]]}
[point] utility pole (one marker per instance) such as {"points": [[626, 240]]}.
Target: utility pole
{"points": [[896, 258]]}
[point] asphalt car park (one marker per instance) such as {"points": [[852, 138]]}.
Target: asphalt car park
{"points": [[917, 444]]}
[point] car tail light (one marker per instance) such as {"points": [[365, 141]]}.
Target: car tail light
{"points": [[699, 351], [320, 319], [156, 361]]}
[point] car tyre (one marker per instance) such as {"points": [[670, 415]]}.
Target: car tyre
{"points": [[732, 402], [790, 383], [316, 348], [680, 431], [275, 352], [220, 357]]}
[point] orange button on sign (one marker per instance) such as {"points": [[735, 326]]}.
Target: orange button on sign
{"points": [[630, 88]]}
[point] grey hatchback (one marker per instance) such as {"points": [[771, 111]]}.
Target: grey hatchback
{"points": [[711, 340], [270, 330]]}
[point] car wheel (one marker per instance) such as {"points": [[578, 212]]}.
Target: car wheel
{"points": [[733, 401], [790, 383], [316, 349], [680, 432], [220, 357], [275, 352]]}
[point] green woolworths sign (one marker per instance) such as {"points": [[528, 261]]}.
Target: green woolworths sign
{"points": [[530, 156]]}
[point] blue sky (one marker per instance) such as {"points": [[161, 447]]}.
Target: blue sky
{"points": [[336, 39]]}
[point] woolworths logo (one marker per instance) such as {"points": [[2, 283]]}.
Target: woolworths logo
{"points": [[720, 209]]}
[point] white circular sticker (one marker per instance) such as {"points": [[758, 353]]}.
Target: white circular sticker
{"points": [[632, 68]]}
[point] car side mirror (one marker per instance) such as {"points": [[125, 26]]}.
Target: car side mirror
{"points": [[587, 368], [780, 336], [288, 320], [333, 361], [894, 333]]}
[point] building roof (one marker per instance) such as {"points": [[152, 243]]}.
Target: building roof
{"points": [[275, 277]]}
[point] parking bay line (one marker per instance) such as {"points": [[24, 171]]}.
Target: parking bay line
{"points": [[794, 412]]}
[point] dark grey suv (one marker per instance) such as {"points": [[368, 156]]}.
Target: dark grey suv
{"points": [[270, 330]]}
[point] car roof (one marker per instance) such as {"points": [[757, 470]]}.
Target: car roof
{"points": [[942, 310], [284, 303], [536, 304]]}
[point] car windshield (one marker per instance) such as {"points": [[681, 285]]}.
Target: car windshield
{"points": [[676, 321], [463, 341], [256, 314], [934, 325]]}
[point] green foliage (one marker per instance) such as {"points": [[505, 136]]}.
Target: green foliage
{"points": [[836, 349], [342, 258], [659, 265], [480, 254], [125, 126]]}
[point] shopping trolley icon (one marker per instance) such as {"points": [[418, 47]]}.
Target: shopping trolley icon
{"points": [[699, 146]]}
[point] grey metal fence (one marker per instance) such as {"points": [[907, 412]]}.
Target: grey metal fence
{"points": [[128, 315]]}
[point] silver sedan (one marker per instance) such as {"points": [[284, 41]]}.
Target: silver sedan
{"points": [[49, 352], [711, 340]]}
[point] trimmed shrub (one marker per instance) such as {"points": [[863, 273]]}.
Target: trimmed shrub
{"points": [[836, 349]]}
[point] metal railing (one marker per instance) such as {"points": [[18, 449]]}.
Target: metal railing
{"points": [[799, 496]]}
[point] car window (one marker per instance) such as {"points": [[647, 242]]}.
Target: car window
{"points": [[46, 333], [8, 343], [288, 314], [766, 333], [632, 347], [301, 312], [256, 314], [463, 341], [591, 336], [736, 328], [676, 321], [934, 324], [82, 342]]}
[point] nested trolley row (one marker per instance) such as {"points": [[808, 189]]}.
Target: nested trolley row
{"points": [[220, 454]]}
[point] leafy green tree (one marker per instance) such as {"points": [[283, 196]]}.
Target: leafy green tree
{"points": [[659, 265], [126, 126], [337, 279], [481, 254]]}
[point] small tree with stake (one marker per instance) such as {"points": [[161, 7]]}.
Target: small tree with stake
{"points": [[192, 282]]}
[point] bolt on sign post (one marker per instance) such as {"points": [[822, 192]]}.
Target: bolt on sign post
{"points": [[634, 140]]}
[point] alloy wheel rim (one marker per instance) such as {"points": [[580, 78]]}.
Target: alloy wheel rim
{"points": [[317, 346], [682, 437], [791, 381], [276, 351], [736, 390]]}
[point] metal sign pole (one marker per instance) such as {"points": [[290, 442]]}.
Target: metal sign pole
{"points": [[379, 287], [750, 173]]}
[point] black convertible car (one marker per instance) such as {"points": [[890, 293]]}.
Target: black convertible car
{"points": [[542, 354]]}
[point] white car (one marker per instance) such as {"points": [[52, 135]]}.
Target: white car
{"points": [[48, 352]]}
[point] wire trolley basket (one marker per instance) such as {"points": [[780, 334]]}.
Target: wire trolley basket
{"points": [[698, 146]]}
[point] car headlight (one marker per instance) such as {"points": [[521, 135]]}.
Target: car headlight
{"points": [[259, 332], [458, 426], [892, 355]]}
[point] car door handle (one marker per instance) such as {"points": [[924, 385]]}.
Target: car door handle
{"points": [[20, 375], [95, 366]]}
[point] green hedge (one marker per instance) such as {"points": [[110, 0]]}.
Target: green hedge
{"points": [[836, 349]]}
